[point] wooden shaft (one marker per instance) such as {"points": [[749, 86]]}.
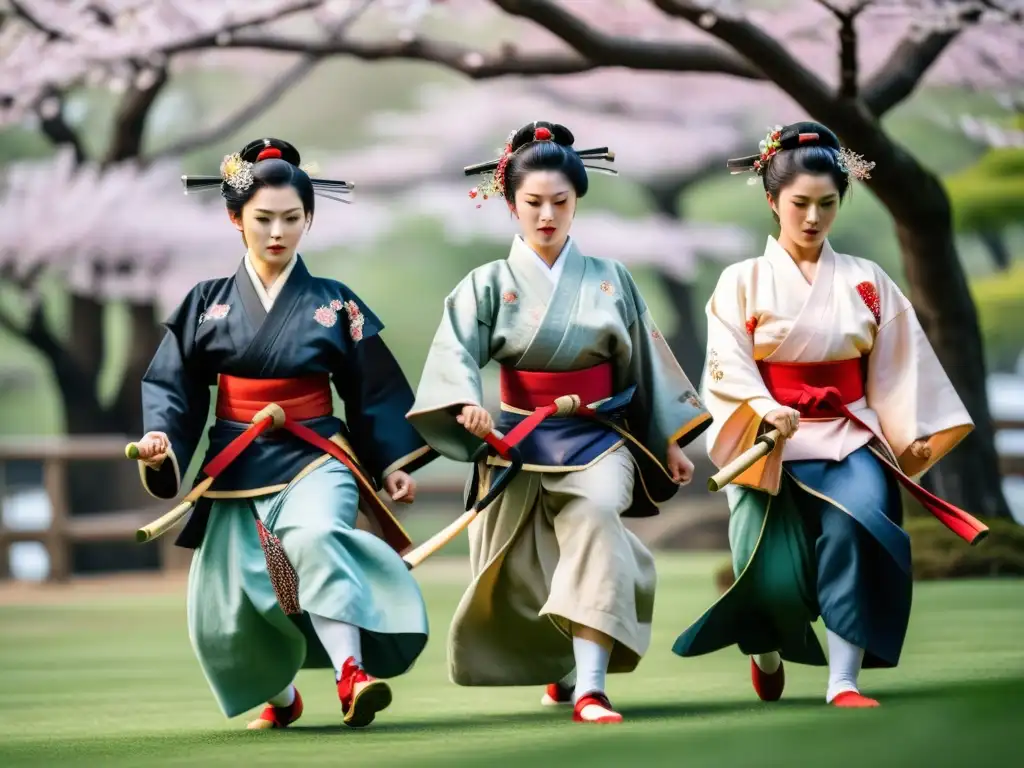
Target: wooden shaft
{"points": [[439, 539], [762, 446], [164, 523]]}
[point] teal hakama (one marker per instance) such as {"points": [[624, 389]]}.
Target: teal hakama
{"points": [[248, 648]]}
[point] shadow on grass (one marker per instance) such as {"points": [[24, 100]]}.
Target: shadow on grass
{"points": [[954, 693]]}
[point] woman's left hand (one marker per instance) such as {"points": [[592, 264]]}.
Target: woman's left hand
{"points": [[920, 449], [401, 487], [680, 467]]}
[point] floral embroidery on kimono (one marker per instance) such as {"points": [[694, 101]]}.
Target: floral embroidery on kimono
{"points": [[355, 320]]}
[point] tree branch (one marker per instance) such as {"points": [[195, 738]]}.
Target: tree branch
{"points": [[613, 50], [56, 128], [37, 333], [475, 64], [33, 21], [910, 60], [592, 49], [263, 100], [808, 90], [130, 121]]}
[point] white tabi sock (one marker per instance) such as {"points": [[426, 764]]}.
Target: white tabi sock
{"points": [[569, 681], [844, 660], [339, 639], [591, 667], [768, 662], [284, 698]]}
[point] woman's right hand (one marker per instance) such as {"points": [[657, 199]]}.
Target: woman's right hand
{"points": [[153, 449], [786, 420], [476, 420]]}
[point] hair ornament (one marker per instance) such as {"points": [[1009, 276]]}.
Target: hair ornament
{"points": [[855, 165], [237, 173], [493, 171], [779, 139]]}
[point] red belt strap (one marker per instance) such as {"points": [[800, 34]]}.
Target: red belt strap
{"points": [[303, 398], [822, 390], [546, 394]]}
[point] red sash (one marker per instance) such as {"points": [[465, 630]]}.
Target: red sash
{"points": [[301, 399], [549, 393], [823, 390]]}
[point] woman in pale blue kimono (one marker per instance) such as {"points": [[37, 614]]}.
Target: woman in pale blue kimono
{"points": [[281, 578], [562, 590]]}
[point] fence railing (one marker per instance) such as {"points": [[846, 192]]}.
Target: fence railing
{"points": [[66, 529]]}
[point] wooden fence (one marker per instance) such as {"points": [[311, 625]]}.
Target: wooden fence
{"points": [[66, 530]]}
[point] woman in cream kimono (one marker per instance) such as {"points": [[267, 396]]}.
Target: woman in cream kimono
{"points": [[824, 347], [559, 584]]}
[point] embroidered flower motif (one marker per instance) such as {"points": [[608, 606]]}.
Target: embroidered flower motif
{"points": [[326, 316], [692, 399], [714, 367], [510, 297], [607, 287], [355, 320], [869, 295], [336, 305], [752, 325], [216, 312], [656, 335]]}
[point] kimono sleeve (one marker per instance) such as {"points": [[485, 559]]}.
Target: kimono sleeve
{"points": [[377, 396], [907, 387], [667, 405], [175, 398], [733, 390], [451, 375]]}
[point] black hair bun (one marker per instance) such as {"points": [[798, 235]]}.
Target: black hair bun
{"points": [[808, 134], [541, 130], [266, 149]]}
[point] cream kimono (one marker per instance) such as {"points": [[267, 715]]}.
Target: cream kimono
{"points": [[552, 550], [764, 309], [800, 515]]}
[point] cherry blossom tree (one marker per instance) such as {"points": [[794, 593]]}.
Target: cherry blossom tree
{"points": [[844, 62]]}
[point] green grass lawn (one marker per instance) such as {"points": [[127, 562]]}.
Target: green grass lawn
{"points": [[110, 680]]}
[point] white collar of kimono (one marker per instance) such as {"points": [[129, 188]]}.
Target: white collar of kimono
{"points": [[554, 271], [779, 255], [268, 295]]}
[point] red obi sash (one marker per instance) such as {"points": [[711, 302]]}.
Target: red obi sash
{"points": [[308, 397], [528, 390], [297, 400], [824, 390], [549, 393]]}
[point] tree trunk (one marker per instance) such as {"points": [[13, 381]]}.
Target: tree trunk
{"points": [[685, 342], [102, 486], [995, 244], [969, 476]]}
